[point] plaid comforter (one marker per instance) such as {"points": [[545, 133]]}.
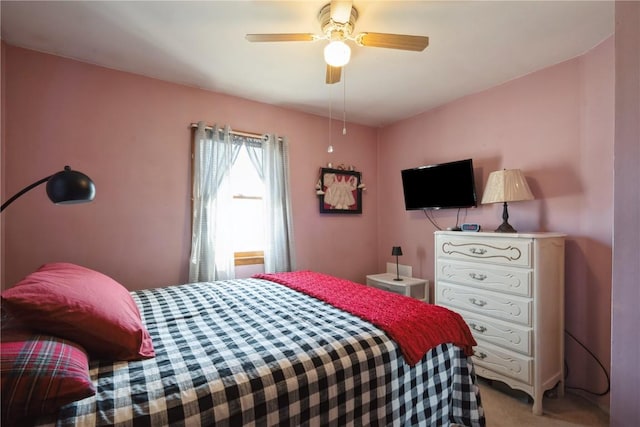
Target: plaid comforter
{"points": [[250, 352]]}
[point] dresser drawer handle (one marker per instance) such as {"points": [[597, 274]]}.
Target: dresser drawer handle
{"points": [[477, 251], [480, 355], [477, 328], [479, 303], [478, 277]]}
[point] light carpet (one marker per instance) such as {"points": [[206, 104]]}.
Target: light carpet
{"points": [[508, 408]]}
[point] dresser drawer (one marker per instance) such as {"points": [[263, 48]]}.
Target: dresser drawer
{"points": [[503, 361], [507, 335], [515, 252], [505, 307], [515, 281]]}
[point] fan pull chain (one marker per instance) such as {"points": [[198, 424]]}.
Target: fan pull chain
{"points": [[330, 148], [344, 100]]}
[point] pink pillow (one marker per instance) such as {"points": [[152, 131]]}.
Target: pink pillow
{"points": [[84, 306], [39, 374]]}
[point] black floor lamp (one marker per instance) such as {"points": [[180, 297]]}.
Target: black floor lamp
{"points": [[64, 187]]}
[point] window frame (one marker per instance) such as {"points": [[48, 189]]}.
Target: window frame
{"points": [[240, 258]]}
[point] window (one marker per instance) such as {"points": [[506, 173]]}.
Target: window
{"points": [[216, 155], [248, 211]]}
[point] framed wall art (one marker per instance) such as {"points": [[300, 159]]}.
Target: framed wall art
{"points": [[340, 191]]}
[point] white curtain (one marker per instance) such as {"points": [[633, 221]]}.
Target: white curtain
{"points": [[212, 253], [279, 250], [212, 237]]}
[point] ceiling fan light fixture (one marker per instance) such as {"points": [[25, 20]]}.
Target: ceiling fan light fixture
{"points": [[337, 22], [337, 53]]}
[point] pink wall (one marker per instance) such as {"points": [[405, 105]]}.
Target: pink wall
{"points": [[625, 349], [130, 135], [557, 126], [2, 156]]}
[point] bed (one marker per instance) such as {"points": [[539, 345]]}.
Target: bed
{"points": [[254, 352]]}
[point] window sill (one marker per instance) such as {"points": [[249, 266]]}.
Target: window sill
{"points": [[249, 258]]}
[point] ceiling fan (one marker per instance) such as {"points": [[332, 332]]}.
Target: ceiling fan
{"points": [[337, 20]]}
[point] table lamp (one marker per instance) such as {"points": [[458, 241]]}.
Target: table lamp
{"points": [[508, 185], [397, 251]]}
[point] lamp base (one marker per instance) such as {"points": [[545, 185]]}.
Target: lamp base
{"points": [[505, 227], [398, 279]]}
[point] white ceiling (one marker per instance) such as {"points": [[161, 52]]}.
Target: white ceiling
{"points": [[473, 45]]}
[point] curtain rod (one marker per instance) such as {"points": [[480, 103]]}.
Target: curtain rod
{"points": [[234, 132]]}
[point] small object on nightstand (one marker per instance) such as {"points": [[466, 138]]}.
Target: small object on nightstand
{"points": [[409, 286], [397, 251]]}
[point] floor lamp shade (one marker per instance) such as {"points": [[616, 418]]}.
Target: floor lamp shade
{"points": [[64, 187], [504, 186], [69, 186]]}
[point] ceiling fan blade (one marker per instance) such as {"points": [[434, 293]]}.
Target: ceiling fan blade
{"points": [[290, 37], [333, 74], [393, 41], [341, 10]]}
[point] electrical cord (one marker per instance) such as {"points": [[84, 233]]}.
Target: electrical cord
{"points": [[431, 220], [566, 369]]}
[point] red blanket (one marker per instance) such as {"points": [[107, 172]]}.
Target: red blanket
{"points": [[415, 326]]}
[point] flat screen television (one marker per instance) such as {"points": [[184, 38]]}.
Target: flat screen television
{"points": [[440, 186]]}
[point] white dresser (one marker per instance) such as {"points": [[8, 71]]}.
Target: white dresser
{"points": [[509, 287]]}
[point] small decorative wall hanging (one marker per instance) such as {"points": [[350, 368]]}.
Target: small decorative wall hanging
{"points": [[340, 190]]}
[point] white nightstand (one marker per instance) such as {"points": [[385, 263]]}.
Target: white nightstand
{"points": [[409, 286]]}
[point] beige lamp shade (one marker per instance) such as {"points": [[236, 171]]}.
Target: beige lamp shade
{"points": [[504, 186], [507, 185]]}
